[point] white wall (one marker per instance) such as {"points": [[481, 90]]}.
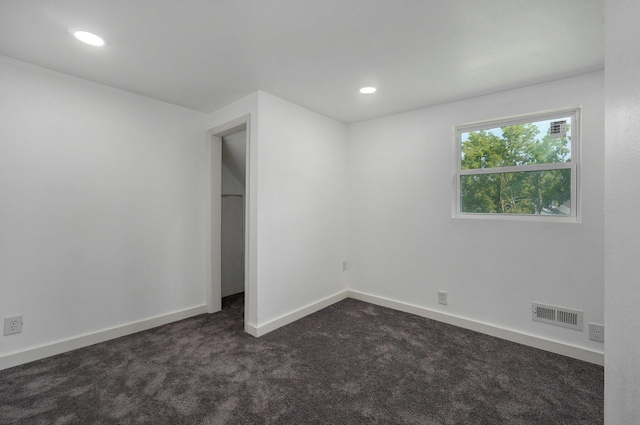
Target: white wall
{"points": [[301, 207], [102, 206], [232, 246], [297, 205], [404, 244], [622, 268]]}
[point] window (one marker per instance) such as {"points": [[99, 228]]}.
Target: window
{"points": [[525, 167]]}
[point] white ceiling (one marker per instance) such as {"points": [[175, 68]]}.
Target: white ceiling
{"points": [[205, 54]]}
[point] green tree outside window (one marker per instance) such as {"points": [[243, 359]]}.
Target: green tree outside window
{"points": [[535, 190]]}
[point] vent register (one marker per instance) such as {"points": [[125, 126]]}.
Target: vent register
{"points": [[558, 316], [558, 129]]}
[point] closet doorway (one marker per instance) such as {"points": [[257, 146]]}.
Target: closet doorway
{"points": [[233, 193]]}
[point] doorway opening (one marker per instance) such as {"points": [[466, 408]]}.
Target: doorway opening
{"points": [[232, 234], [230, 206]]}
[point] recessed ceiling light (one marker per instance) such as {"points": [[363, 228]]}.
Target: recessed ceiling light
{"points": [[87, 37], [368, 90]]}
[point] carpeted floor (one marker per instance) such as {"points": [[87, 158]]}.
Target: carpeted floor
{"points": [[351, 363]]}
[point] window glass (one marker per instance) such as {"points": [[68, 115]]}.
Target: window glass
{"points": [[515, 145], [522, 166], [528, 192]]}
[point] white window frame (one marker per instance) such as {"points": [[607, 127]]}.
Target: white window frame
{"points": [[574, 165]]}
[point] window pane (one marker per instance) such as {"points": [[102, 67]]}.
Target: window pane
{"points": [[529, 192], [541, 142]]}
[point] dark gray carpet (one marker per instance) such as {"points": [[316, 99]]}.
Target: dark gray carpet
{"points": [[351, 363]]}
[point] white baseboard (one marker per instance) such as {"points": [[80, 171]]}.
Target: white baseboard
{"points": [[41, 352], [37, 353], [274, 324], [557, 347]]}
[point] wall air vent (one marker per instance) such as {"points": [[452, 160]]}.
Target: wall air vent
{"points": [[558, 316], [558, 129]]}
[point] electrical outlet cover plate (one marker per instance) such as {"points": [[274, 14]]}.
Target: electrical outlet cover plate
{"points": [[12, 325], [442, 297], [596, 332]]}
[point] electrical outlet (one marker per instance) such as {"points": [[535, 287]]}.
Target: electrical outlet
{"points": [[596, 332], [442, 297], [344, 265], [12, 325]]}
